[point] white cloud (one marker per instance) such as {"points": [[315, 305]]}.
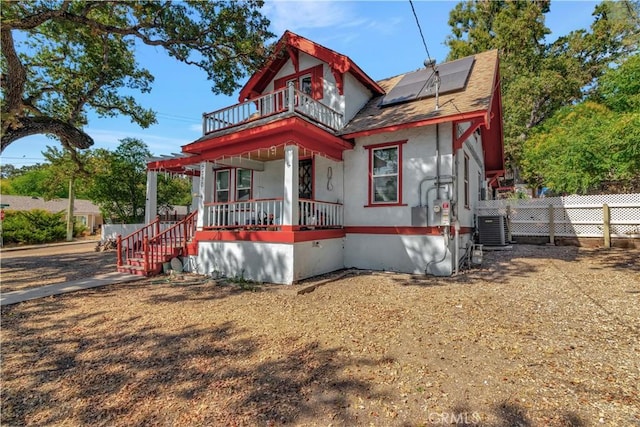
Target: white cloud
{"points": [[305, 15]]}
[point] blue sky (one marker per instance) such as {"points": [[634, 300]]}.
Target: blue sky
{"points": [[380, 36]]}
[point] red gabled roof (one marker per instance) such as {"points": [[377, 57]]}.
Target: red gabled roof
{"points": [[288, 47]]}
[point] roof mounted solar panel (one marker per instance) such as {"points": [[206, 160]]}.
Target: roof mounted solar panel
{"points": [[453, 76], [407, 88]]}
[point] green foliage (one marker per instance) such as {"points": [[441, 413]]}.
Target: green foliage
{"points": [[583, 146], [33, 183], [173, 191], [119, 181], [33, 227], [538, 77], [64, 58], [619, 88]]}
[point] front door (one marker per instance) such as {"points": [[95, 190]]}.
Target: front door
{"points": [[305, 179]]}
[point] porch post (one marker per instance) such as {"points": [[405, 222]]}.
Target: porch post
{"points": [[151, 205], [205, 193], [290, 201], [195, 193]]}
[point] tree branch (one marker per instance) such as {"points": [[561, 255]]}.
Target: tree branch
{"points": [[68, 134]]}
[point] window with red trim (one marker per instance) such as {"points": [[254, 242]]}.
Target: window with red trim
{"points": [[385, 174], [308, 81]]}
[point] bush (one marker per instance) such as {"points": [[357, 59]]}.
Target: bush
{"points": [[32, 227]]}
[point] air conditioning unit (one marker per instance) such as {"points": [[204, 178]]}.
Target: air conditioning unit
{"points": [[492, 230]]}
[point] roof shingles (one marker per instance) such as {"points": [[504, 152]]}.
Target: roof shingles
{"points": [[475, 97]]}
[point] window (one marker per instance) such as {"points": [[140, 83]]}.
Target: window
{"points": [[385, 174], [305, 84], [222, 186], [243, 184], [308, 81], [466, 181]]}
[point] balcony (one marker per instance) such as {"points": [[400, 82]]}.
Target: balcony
{"points": [[286, 100], [266, 214]]}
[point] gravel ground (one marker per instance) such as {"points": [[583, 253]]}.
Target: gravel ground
{"points": [[31, 268], [540, 336]]}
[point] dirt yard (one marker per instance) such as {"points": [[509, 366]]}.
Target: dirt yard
{"points": [[540, 336], [47, 265]]}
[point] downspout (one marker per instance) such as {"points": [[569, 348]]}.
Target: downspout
{"points": [[437, 161], [456, 250]]}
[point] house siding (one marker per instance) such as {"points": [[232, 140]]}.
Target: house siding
{"points": [[318, 257], [406, 254], [257, 261], [328, 184]]}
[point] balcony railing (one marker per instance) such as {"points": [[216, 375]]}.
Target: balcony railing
{"points": [[283, 100], [267, 214]]}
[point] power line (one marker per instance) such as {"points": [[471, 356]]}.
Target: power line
{"points": [[420, 29]]}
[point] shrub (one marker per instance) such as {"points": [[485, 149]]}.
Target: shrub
{"points": [[32, 227]]}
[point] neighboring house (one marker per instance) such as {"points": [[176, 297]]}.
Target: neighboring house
{"points": [[319, 167], [84, 211]]}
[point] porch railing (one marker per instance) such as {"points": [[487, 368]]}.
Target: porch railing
{"points": [[267, 213], [246, 214], [320, 214], [279, 101]]}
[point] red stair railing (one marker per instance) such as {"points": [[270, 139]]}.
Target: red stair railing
{"points": [[175, 237], [132, 244]]}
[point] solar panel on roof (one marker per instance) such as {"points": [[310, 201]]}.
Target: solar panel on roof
{"points": [[453, 76], [421, 84], [408, 87]]}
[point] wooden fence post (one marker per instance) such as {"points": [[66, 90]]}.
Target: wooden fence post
{"points": [[606, 218], [552, 227]]}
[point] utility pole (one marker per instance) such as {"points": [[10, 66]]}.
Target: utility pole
{"points": [[70, 216]]}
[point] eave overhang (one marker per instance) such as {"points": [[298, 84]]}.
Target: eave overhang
{"points": [[260, 143], [288, 47]]}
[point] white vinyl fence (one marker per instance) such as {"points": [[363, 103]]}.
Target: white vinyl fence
{"points": [[111, 231], [605, 216]]}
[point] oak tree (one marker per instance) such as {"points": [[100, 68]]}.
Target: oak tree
{"points": [[63, 58]]}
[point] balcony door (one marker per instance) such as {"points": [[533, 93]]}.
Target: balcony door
{"points": [[305, 179]]}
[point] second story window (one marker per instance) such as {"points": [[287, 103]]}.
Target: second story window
{"points": [[308, 81], [243, 184]]}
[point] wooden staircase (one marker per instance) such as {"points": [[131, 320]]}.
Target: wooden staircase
{"points": [[144, 251]]}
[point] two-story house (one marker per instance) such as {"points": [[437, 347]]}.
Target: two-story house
{"points": [[319, 167]]}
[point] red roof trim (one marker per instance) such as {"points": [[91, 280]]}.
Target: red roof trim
{"points": [[293, 42]]}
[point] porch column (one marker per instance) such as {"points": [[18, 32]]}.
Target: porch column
{"points": [[151, 204], [205, 194], [290, 201], [195, 193]]}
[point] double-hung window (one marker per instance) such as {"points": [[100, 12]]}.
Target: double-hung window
{"points": [[243, 184], [222, 185], [385, 174]]}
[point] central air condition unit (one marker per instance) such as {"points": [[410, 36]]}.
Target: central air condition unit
{"points": [[492, 230]]}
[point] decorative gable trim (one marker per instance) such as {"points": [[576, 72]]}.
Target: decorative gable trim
{"points": [[288, 47]]}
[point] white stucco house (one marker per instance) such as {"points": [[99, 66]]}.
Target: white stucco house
{"points": [[319, 168]]}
